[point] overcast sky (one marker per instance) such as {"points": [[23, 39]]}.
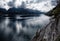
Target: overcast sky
{"points": [[41, 5]]}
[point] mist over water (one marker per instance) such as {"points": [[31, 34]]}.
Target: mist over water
{"points": [[19, 28]]}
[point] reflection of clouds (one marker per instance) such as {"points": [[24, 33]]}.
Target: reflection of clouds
{"points": [[4, 27], [7, 20], [18, 26], [38, 20], [33, 22], [24, 29]]}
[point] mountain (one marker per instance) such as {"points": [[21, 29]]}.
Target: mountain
{"points": [[53, 10], [12, 12], [2, 11], [23, 11]]}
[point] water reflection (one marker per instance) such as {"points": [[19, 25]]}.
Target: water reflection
{"points": [[19, 28]]}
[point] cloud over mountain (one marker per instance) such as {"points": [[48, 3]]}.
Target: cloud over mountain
{"points": [[41, 5]]}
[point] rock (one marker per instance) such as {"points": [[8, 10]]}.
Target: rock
{"points": [[51, 31]]}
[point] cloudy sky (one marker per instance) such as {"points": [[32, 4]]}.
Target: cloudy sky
{"points": [[24, 30], [41, 5]]}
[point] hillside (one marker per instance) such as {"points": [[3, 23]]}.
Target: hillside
{"points": [[12, 12], [51, 32]]}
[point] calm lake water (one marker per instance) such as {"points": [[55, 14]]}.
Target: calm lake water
{"points": [[19, 28]]}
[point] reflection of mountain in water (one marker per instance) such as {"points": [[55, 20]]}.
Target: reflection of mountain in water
{"points": [[15, 24]]}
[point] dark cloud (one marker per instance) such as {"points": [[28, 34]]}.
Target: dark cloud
{"points": [[53, 2], [11, 4]]}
